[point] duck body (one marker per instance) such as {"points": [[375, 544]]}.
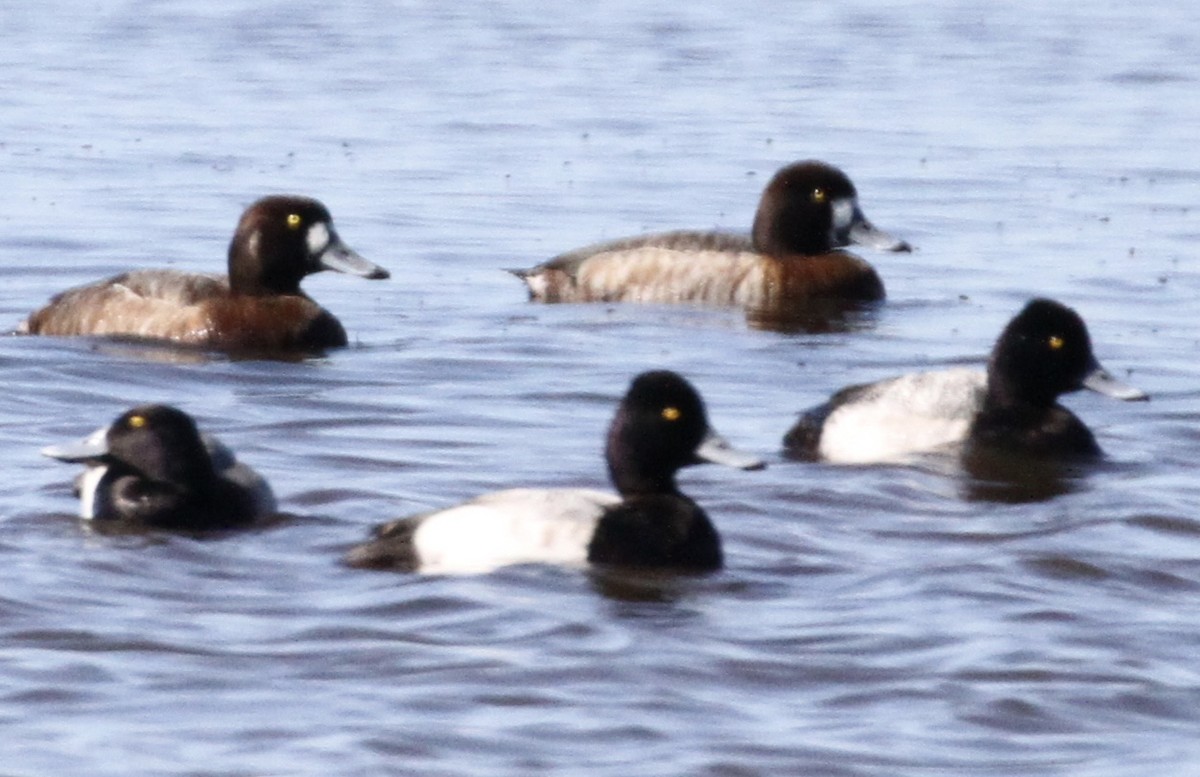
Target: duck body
{"points": [[793, 256], [891, 419], [189, 309], [257, 305], [152, 467], [1044, 351], [714, 269], [660, 427], [514, 526]]}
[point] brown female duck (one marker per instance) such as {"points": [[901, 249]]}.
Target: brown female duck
{"points": [[258, 305], [807, 213]]}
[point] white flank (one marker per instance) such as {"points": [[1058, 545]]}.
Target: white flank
{"points": [[517, 526], [898, 418], [88, 482]]}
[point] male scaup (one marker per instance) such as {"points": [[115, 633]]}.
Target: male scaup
{"points": [[808, 211], [1044, 351], [660, 427], [152, 467], [258, 305]]}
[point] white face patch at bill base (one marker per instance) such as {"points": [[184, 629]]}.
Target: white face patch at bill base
{"points": [[317, 238], [843, 214]]}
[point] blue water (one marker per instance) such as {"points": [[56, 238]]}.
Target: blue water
{"points": [[871, 620]]}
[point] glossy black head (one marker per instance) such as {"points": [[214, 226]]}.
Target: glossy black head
{"points": [[281, 239], [657, 429], [810, 208], [1044, 351], [160, 443]]}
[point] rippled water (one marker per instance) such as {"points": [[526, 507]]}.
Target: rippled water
{"points": [[871, 620]]}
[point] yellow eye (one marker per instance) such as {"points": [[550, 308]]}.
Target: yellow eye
{"points": [[818, 195], [1055, 342], [137, 421], [293, 220], [671, 414]]}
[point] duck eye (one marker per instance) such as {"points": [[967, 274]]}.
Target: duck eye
{"points": [[1055, 342], [671, 414], [818, 196], [293, 220], [137, 421]]}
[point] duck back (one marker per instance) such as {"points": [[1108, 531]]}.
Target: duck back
{"points": [[144, 303]]}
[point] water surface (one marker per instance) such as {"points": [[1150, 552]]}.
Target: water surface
{"points": [[871, 620]]}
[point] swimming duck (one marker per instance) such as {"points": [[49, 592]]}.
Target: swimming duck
{"points": [[258, 305], [153, 467], [659, 427], [1043, 352], [807, 213]]}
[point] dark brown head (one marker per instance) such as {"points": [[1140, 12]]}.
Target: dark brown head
{"points": [[281, 239], [810, 208]]}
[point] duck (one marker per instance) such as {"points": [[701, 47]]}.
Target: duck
{"points": [[659, 427], [792, 259], [1044, 351], [258, 305], [152, 467]]}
